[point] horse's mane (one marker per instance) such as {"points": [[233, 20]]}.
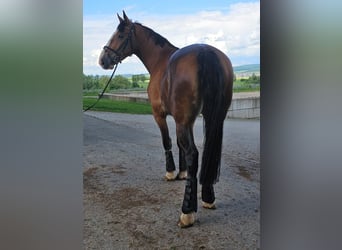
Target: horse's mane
{"points": [[158, 39]]}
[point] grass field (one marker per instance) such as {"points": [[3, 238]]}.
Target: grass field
{"points": [[118, 106]]}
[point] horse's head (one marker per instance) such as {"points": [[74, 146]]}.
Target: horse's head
{"points": [[120, 45]]}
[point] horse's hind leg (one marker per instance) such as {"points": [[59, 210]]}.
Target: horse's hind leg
{"points": [[186, 142], [167, 144], [208, 196]]}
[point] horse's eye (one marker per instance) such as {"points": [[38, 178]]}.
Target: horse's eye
{"points": [[121, 36]]}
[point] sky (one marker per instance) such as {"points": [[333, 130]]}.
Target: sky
{"points": [[232, 26]]}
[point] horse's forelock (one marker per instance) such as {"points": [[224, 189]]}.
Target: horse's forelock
{"points": [[121, 27]]}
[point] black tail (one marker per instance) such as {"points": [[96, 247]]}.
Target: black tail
{"points": [[211, 80]]}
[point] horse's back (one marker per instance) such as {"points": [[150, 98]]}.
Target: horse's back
{"points": [[193, 48]]}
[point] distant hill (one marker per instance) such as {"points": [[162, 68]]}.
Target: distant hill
{"points": [[247, 70]]}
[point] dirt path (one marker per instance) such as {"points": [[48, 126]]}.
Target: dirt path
{"points": [[128, 205]]}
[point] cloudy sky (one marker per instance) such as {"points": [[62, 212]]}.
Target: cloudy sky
{"points": [[232, 26]]}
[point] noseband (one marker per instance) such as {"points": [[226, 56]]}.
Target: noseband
{"points": [[117, 55]]}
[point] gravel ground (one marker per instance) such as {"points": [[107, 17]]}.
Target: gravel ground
{"points": [[128, 205]]}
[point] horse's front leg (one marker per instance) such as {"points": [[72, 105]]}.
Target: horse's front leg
{"points": [[167, 144], [183, 173]]}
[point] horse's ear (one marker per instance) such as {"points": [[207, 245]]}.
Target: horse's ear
{"points": [[120, 18], [125, 17]]}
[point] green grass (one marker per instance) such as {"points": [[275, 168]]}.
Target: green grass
{"points": [[118, 106]]}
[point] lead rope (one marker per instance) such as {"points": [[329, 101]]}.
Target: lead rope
{"points": [[100, 96]]}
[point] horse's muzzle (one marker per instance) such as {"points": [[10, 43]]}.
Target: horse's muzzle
{"points": [[106, 61]]}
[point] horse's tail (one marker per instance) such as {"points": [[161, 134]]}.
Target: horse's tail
{"points": [[215, 105]]}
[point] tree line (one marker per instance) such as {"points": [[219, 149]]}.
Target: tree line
{"points": [[95, 82]]}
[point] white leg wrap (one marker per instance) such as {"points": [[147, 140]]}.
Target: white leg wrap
{"points": [[170, 176], [186, 220], [182, 175], [208, 205]]}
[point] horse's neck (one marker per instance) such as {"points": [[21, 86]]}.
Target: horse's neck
{"points": [[152, 55]]}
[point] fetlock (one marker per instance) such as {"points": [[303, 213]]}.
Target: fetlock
{"points": [[208, 194], [170, 164]]}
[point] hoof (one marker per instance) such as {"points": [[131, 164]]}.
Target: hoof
{"points": [[208, 205], [186, 220], [170, 176], [182, 175]]}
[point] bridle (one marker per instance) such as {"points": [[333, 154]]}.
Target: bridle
{"points": [[118, 53], [117, 58]]}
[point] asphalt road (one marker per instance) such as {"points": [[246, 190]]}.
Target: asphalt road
{"points": [[128, 205]]}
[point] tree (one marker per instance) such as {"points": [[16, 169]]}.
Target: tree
{"points": [[90, 82], [142, 77], [253, 79], [103, 80], [137, 80], [120, 82]]}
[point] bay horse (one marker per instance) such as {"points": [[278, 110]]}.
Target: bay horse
{"points": [[183, 83]]}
